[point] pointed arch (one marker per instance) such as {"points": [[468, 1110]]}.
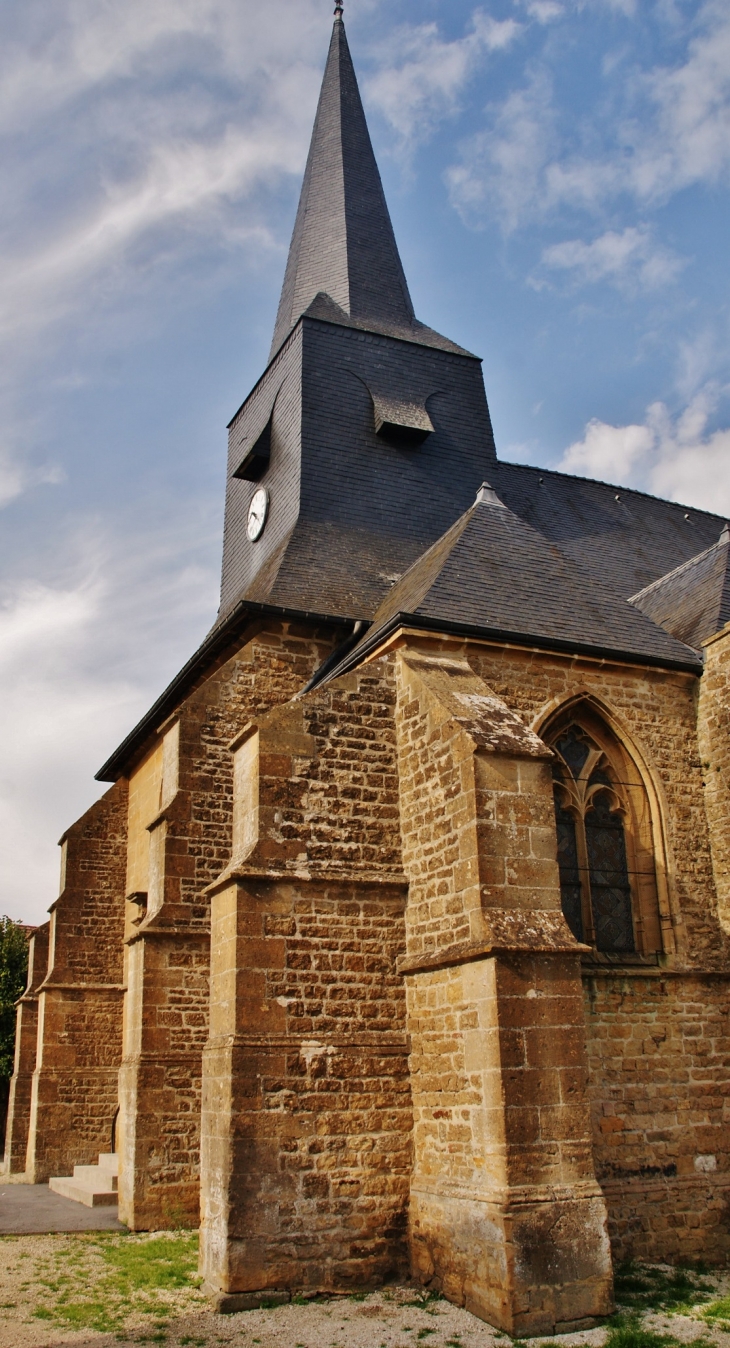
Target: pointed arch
{"points": [[610, 825]]}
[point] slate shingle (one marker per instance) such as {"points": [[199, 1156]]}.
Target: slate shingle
{"points": [[692, 602], [493, 573], [343, 242]]}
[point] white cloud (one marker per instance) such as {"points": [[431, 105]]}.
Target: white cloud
{"points": [[700, 362], [50, 715], [86, 45], [11, 479], [630, 259], [425, 75], [691, 137], [80, 661], [663, 130], [19, 466], [675, 458], [610, 453], [545, 11], [501, 168], [180, 182], [155, 118]]}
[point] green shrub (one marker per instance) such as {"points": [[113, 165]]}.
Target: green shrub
{"points": [[13, 974]]}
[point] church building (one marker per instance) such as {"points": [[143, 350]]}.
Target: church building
{"points": [[399, 945]]}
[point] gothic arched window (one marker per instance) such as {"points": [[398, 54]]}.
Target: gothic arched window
{"points": [[605, 854]]}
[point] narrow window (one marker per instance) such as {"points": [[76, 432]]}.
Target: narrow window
{"points": [[608, 876], [590, 813], [570, 890]]}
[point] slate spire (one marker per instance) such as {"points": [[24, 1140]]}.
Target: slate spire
{"points": [[343, 241]]}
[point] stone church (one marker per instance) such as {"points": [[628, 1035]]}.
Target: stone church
{"points": [[400, 942]]}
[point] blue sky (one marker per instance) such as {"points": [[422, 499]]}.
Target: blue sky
{"points": [[557, 172]]}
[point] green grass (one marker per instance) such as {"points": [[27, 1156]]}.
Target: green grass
{"points": [[134, 1274], [628, 1332], [717, 1314], [644, 1287], [163, 1262]]}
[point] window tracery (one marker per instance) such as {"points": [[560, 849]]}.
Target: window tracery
{"points": [[605, 847]]}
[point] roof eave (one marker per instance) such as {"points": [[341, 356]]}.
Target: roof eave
{"points": [[244, 613], [374, 639]]}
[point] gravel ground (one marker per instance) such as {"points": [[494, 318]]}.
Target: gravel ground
{"points": [[35, 1270]]}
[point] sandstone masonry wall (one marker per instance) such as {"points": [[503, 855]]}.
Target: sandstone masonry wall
{"points": [[657, 1041], [74, 1088], [658, 711], [498, 1066], [180, 841], [658, 1051], [306, 1116], [713, 723], [26, 1048]]}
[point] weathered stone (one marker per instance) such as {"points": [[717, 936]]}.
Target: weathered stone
{"points": [[385, 1045]]}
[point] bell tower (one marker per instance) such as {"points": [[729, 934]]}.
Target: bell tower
{"points": [[368, 433]]}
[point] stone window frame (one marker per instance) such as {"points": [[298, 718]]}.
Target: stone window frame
{"points": [[637, 800]]}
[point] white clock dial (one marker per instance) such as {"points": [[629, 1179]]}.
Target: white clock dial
{"points": [[257, 512]]}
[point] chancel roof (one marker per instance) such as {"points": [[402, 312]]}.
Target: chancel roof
{"points": [[625, 538], [494, 574], [692, 602]]}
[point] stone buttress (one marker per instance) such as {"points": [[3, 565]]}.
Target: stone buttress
{"points": [[306, 1104], [26, 1046], [506, 1216], [74, 1085], [179, 840]]}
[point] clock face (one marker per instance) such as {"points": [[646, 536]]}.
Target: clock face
{"points": [[257, 512]]}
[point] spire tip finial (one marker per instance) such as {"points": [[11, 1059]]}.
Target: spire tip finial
{"points": [[338, 9]]}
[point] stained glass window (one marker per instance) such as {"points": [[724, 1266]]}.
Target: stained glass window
{"points": [[570, 889], [595, 885], [573, 750], [608, 876]]}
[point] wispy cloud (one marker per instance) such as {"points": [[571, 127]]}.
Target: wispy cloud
{"points": [[182, 183], [545, 11], [146, 123], [631, 259], [501, 168], [423, 75], [670, 131]]}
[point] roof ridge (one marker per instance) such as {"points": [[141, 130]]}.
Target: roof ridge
{"points": [[432, 598], [677, 570], [612, 486]]}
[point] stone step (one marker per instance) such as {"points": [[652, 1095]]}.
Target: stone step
{"points": [[94, 1177], [95, 1193], [109, 1162]]}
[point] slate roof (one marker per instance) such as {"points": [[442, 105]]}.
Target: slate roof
{"points": [[343, 242], [495, 574], [348, 509], [350, 514], [324, 307], [692, 602], [625, 538]]}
